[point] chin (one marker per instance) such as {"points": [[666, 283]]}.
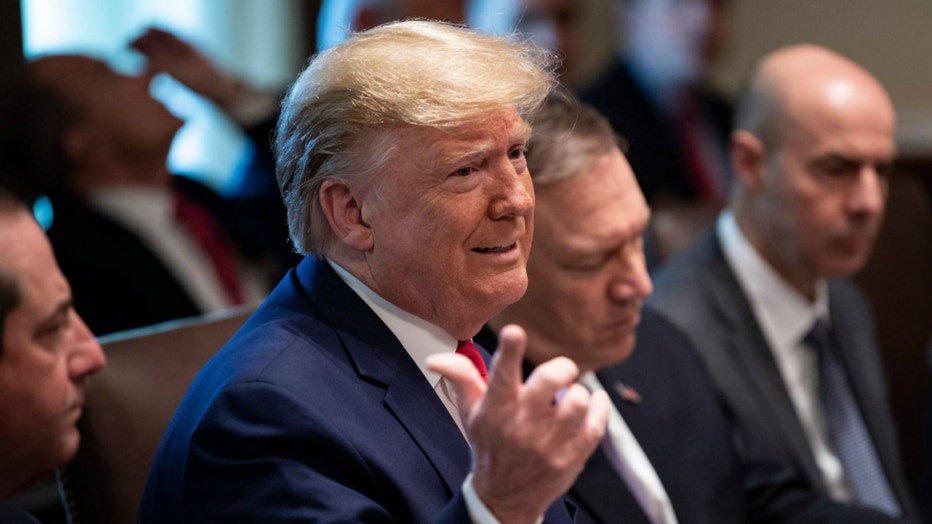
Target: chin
{"points": [[67, 447], [844, 267], [512, 292]]}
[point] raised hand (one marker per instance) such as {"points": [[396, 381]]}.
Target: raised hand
{"points": [[530, 440], [169, 54]]}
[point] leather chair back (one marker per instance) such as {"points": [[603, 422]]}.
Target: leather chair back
{"points": [[128, 407]]}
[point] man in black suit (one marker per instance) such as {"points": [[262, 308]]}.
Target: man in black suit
{"points": [[46, 353], [139, 244], [671, 454], [788, 340]]}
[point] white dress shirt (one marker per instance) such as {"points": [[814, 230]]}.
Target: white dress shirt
{"points": [[421, 339], [148, 212], [629, 460], [785, 317]]}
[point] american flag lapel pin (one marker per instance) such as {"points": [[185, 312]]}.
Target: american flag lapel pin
{"points": [[627, 393]]}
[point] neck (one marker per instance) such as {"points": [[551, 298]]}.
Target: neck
{"points": [[801, 280]]}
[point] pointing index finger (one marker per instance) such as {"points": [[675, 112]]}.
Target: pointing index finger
{"points": [[506, 363]]}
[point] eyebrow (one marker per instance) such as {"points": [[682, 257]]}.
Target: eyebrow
{"points": [[521, 132], [589, 252]]}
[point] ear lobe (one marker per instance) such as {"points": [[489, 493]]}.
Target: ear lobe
{"points": [[343, 210], [747, 159]]}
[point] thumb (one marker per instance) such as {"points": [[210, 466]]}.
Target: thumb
{"points": [[463, 375]]}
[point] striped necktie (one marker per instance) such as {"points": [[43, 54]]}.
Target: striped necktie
{"points": [[845, 426]]}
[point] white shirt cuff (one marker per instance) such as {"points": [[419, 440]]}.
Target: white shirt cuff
{"points": [[478, 512]]}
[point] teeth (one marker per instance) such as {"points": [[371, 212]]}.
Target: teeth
{"points": [[498, 249]]}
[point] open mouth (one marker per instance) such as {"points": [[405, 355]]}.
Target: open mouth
{"points": [[496, 249]]}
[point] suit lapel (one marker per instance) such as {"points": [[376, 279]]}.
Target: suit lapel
{"points": [[749, 349], [379, 357]]}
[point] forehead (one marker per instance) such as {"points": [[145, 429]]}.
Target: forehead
{"points": [[842, 116], [603, 206], [429, 146]]}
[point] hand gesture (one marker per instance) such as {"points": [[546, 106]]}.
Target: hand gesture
{"points": [[530, 440], [167, 53]]}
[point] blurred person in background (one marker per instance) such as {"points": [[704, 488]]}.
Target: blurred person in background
{"points": [[139, 244], [657, 97], [765, 295]]}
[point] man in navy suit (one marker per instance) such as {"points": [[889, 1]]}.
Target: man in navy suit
{"points": [[401, 162], [672, 453]]}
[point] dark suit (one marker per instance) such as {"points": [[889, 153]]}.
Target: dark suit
{"points": [[10, 515], [313, 412], [654, 148], [708, 473], [118, 281], [700, 294]]}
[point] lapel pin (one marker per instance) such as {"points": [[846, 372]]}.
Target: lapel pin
{"points": [[627, 393]]}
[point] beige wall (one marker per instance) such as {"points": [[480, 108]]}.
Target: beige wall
{"points": [[892, 38]]}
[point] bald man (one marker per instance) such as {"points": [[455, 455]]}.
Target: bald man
{"points": [[788, 340]]}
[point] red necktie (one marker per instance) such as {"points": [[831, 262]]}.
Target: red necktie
{"points": [[699, 169], [470, 351], [213, 241]]}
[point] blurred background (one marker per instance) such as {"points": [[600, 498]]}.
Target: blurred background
{"points": [[265, 42]]}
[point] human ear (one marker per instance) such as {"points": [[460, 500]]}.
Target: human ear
{"points": [[747, 159], [343, 208]]}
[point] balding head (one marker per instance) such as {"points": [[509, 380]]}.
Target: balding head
{"points": [[114, 131], [792, 82], [813, 145]]}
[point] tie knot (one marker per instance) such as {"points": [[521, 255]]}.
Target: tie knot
{"points": [[820, 336], [470, 351]]}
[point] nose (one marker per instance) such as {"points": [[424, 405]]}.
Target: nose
{"points": [[869, 194], [632, 281], [514, 193], [86, 356]]}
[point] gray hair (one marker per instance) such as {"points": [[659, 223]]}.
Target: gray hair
{"points": [[337, 119], [568, 137]]}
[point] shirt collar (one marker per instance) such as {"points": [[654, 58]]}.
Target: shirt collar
{"points": [[419, 337], [143, 207], [784, 313]]}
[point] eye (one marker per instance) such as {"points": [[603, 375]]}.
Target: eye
{"points": [[517, 153], [884, 170], [588, 265], [463, 171]]}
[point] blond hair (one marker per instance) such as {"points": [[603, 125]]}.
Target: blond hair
{"points": [[336, 117]]}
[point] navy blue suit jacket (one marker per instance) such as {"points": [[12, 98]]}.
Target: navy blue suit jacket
{"points": [[312, 412], [710, 474]]}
